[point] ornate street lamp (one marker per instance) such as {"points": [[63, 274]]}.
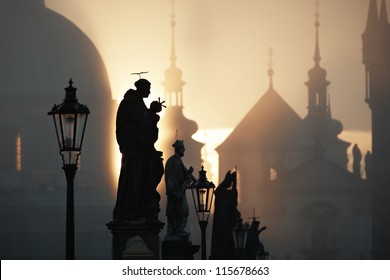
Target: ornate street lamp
{"points": [[240, 234], [203, 194], [70, 119]]}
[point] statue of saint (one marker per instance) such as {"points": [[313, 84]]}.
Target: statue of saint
{"points": [[226, 216], [357, 158], [368, 165], [177, 180], [142, 167]]}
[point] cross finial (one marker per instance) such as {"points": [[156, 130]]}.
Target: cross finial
{"points": [[139, 73], [254, 215], [317, 14], [270, 53], [173, 3]]}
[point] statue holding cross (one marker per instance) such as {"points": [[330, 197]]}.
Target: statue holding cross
{"points": [[142, 167]]}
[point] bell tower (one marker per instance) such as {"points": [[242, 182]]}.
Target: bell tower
{"points": [[325, 129], [174, 123], [376, 58]]}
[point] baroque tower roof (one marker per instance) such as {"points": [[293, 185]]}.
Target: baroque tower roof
{"points": [[325, 129], [173, 121]]}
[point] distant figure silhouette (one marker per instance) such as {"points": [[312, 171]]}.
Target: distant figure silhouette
{"points": [[226, 216], [142, 167], [368, 165], [357, 158], [177, 180], [254, 247]]}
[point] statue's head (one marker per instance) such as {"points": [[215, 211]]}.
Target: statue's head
{"points": [[143, 86], [179, 147]]}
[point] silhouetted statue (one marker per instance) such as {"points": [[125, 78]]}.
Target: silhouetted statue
{"points": [[254, 247], [357, 158], [226, 216], [368, 165], [177, 180], [142, 167]]}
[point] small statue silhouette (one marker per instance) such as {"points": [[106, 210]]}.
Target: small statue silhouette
{"points": [[226, 216], [142, 167], [254, 247], [177, 180], [357, 158], [368, 165]]}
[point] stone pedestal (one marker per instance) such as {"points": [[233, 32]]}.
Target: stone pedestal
{"points": [[178, 250], [135, 241]]}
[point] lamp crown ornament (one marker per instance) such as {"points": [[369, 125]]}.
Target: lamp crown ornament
{"points": [[70, 92]]}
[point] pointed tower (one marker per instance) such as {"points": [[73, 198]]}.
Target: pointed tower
{"points": [[267, 142], [174, 124], [325, 129], [376, 58], [317, 84]]}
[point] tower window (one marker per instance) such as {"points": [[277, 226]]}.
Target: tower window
{"points": [[18, 149]]}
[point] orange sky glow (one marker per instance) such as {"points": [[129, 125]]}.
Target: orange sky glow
{"points": [[222, 48]]}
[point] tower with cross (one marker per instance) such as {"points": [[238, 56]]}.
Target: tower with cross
{"points": [[293, 170], [174, 123]]}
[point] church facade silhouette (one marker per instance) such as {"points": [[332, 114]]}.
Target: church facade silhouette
{"points": [[293, 171]]}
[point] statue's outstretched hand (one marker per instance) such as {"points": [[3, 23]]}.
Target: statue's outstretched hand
{"points": [[156, 106]]}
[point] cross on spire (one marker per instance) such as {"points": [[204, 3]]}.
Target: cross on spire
{"points": [[173, 2], [254, 215], [317, 56], [270, 53], [317, 14]]}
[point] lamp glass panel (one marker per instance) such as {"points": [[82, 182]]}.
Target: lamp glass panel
{"points": [[68, 122], [81, 120], [58, 127]]}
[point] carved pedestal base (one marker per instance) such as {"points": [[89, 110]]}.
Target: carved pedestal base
{"points": [[135, 241]]}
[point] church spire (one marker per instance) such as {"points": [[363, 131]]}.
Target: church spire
{"points": [[173, 83], [317, 56], [372, 18], [317, 84], [383, 13], [173, 24]]}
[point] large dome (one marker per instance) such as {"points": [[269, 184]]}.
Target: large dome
{"points": [[40, 50]]}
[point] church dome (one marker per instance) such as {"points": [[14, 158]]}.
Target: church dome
{"points": [[40, 50]]}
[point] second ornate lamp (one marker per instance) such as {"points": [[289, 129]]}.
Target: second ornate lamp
{"points": [[203, 194]]}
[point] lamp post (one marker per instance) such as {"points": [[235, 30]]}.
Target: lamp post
{"points": [[70, 119], [203, 194], [240, 234]]}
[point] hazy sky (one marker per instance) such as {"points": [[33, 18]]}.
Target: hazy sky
{"points": [[222, 49]]}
